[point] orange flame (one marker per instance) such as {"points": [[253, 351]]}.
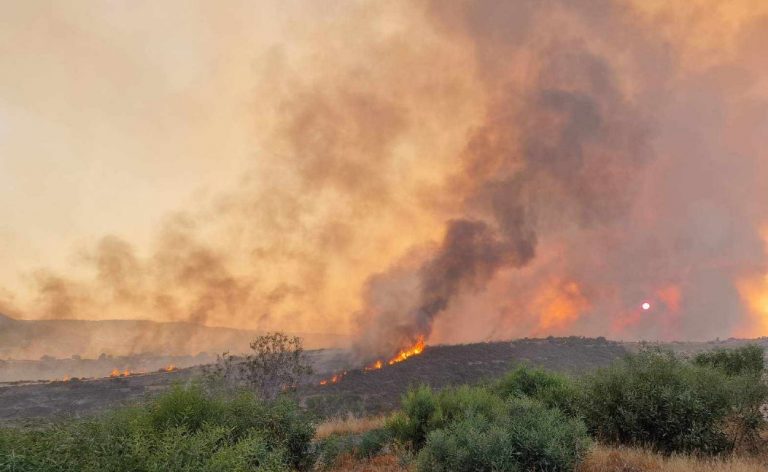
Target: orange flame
{"points": [[65, 379], [117, 373], [375, 366], [335, 379], [404, 354], [170, 368]]}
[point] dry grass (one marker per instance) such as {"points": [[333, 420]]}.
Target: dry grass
{"points": [[349, 425], [385, 463], [621, 459]]}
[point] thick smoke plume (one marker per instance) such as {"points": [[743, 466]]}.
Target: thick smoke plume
{"points": [[459, 171]]}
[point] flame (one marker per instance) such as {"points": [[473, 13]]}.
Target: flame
{"points": [[404, 354], [335, 379], [117, 373], [170, 368], [65, 378], [416, 349]]}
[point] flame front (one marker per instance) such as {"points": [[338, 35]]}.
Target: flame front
{"points": [[404, 354], [416, 349]]}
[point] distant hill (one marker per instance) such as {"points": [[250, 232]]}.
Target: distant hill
{"points": [[32, 339]]}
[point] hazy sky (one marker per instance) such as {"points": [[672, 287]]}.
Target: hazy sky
{"points": [[321, 165], [114, 113]]}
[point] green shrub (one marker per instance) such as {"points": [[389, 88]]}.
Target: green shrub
{"points": [[552, 389], [656, 399], [331, 448], [420, 414], [373, 442], [525, 436], [474, 428], [185, 429], [744, 360]]}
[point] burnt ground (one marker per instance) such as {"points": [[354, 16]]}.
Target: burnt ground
{"points": [[359, 392], [362, 392]]}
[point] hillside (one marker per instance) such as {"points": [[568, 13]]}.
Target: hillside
{"points": [[358, 392]]}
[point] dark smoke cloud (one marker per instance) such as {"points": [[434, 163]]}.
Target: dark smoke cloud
{"points": [[558, 149]]}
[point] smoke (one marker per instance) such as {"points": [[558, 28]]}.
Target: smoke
{"points": [[461, 171]]}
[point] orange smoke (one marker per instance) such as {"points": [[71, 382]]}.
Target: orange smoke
{"points": [[753, 290], [559, 304]]}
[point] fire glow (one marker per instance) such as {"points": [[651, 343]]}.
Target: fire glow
{"points": [[117, 373], [414, 350], [335, 379]]}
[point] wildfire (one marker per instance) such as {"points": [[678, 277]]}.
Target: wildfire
{"points": [[170, 368], [415, 350], [65, 378], [335, 379], [404, 354], [118, 373]]}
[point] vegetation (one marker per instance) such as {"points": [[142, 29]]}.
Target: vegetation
{"points": [[747, 360], [656, 399], [529, 420], [472, 428], [551, 388], [185, 429], [277, 363]]}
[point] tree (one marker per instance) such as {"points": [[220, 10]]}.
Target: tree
{"points": [[276, 363]]}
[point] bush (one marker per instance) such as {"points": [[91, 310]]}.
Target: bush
{"points": [[552, 389], [420, 414], [656, 399], [473, 428], [331, 448], [373, 442], [184, 429], [526, 436], [740, 361]]}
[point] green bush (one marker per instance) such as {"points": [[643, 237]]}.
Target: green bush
{"points": [[184, 429], [525, 436], [373, 442], [473, 428], [552, 389], [656, 399], [744, 360], [420, 414]]}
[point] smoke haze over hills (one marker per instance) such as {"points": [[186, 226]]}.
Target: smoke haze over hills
{"points": [[460, 171]]}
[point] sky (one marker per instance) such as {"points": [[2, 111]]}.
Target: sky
{"points": [[458, 171]]}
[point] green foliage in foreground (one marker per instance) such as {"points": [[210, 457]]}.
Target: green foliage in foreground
{"points": [[473, 428], [551, 388], [183, 430], [656, 399]]}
